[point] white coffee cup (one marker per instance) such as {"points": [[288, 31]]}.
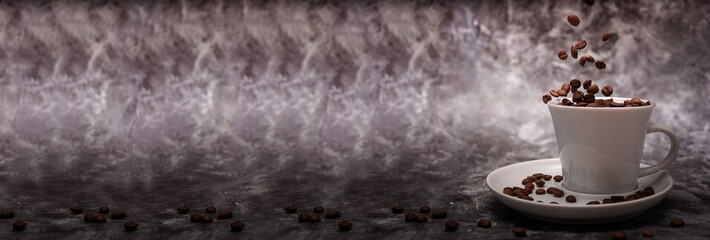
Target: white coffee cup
{"points": [[601, 147]]}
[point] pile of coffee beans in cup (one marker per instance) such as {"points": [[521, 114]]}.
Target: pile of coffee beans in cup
{"points": [[581, 99]]}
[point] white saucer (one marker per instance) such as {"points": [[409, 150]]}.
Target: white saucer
{"points": [[577, 212]]}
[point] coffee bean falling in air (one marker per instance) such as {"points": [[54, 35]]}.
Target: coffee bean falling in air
{"points": [[600, 64], [562, 55], [581, 44], [573, 20], [607, 91], [573, 51], [606, 36]]}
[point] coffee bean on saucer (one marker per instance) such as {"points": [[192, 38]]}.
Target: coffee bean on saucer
{"points": [[600, 64], [332, 214], [451, 225], [593, 203], [507, 191], [206, 219], [89, 218], [630, 198], [607, 90], [183, 209], [618, 235], [551, 190], [410, 217], [526, 198], [104, 209], [571, 199], [195, 218], [547, 177], [587, 83], [573, 52], [211, 209], [554, 203], [606, 36], [484, 223], [546, 98], [426, 209], [526, 181], [100, 218], [224, 215], [540, 191], [593, 89], [396, 209], [540, 183], [562, 54], [648, 191], [647, 233], [519, 192], [677, 222], [421, 218], [7, 214], [118, 214], [237, 226], [573, 20], [314, 218], [520, 232], [320, 209], [607, 201], [303, 217], [617, 198], [76, 210], [557, 178], [438, 214], [18, 225], [130, 226], [558, 193], [554, 93], [291, 209], [345, 225]]}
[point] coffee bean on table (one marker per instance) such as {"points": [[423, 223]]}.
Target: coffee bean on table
{"points": [[76, 209], [89, 218], [618, 235], [600, 64], [554, 93], [551, 190], [573, 51], [519, 231], [7, 214], [677, 222], [303, 217], [647, 233], [195, 218], [183, 209], [484, 223], [206, 219], [100, 218], [547, 177], [507, 191], [451, 225], [291, 209], [211, 209], [593, 89], [104, 209], [588, 2], [224, 215], [558, 193], [426, 209], [332, 214], [421, 218], [118, 214], [606, 36], [573, 20], [314, 218], [18, 225], [540, 191], [345, 225], [410, 217], [593, 203], [237, 226], [557, 178], [540, 183], [581, 45], [397, 209], [439, 214], [607, 90], [546, 98], [320, 209], [130, 226], [571, 199]]}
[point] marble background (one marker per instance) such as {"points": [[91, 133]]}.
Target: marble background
{"points": [[242, 103]]}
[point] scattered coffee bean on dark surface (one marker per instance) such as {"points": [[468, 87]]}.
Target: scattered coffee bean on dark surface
{"points": [[647, 233], [484, 223], [606, 36], [211, 209], [89, 218], [677, 222], [426, 209], [7, 214], [291, 209], [100, 218], [195, 218], [76, 209], [421, 218], [588, 2], [130, 226], [540, 183], [557, 178], [593, 203], [573, 51], [451, 225], [303, 217], [224, 215], [104, 209], [546, 98], [314, 218], [593, 89], [619, 235], [520, 232], [573, 20], [237, 226], [345, 225], [397, 209], [439, 214], [581, 45], [410, 217], [571, 199], [600, 64], [540, 191], [332, 214], [18, 225], [206, 219], [118, 214], [183, 209], [320, 209]]}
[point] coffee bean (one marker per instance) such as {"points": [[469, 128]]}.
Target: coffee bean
{"points": [[562, 92], [104, 209], [607, 90], [587, 83], [118, 214], [484, 223], [551, 190], [571, 199], [303, 217], [558, 193], [76, 210], [332, 214], [291, 209], [18, 225], [600, 64], [617, 198], [677, 222], [540, 191], [606, 36], [345, 225], [224, 215], [195, 218], [648, 102], [546, 98], [206, 219], [581, 45], [7, 214], [578, 96], [588, 2], [426, 209], [210, 209], [575, 83], [410, 217], [421, 218], [507, 191], [526, 198], [89, 218], [594, 104], [647, 233], [593, 89], [557, 178], [567, 88], [573, 20], [526, 181], [183, 209], [320, 209], [582, 60], [563, 57], [630, 198], [400, 209], [614, 104], [636, 101], [562, 53], [619, 235], [130, 226], [540, 183], [439, 214], [520, 232], [573, 51], [593, 203], [607, 201], [648, 191], [589, 58], [554, 93], [100, 218], [554, 203], [547, 177], [567, 102], [589, 98], [519, 192], [451, 225], [237, 226]]}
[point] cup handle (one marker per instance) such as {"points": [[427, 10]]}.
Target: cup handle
{"points": [[656, 127]]}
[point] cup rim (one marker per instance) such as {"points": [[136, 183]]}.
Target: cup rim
{"points": [[553, 104]]}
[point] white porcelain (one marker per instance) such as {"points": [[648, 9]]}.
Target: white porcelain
{"points": [[601, 147], [577, 212]]}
